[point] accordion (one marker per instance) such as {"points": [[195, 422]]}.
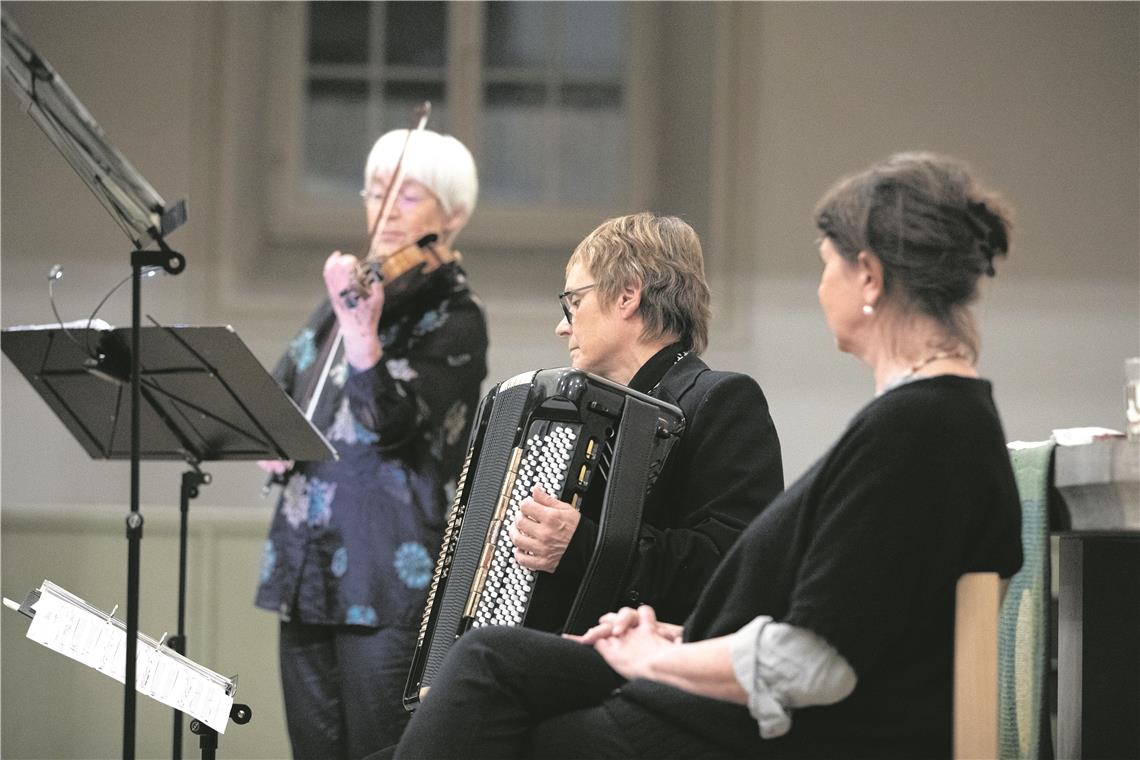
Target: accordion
{"points": [[585, 440]]}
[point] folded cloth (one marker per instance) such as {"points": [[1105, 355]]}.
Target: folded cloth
{"points": [[1079, 436], [1023, 650]]}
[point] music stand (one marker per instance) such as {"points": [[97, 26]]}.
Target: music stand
{"points": [[145, 218], [207, 398]]}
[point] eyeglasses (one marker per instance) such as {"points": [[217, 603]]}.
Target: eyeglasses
{"points": [[568, 306], [407, 199]]}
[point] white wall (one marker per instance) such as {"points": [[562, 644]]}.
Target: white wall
{"points": [[775, 100], [1041, 97]]}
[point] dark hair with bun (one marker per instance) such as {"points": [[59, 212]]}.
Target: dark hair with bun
{"points": [[934, 228]]}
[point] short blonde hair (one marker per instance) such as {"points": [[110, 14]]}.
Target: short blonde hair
{"points": [[439, 162], [662, 254]]}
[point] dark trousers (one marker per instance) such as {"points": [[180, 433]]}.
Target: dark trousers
{"points": [[343, 688], [515, 692]]}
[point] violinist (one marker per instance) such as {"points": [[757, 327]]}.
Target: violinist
{"points": [[388, 368]]}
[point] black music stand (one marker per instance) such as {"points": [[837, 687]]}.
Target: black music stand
{"points": [[205, 398], [145, 218]]}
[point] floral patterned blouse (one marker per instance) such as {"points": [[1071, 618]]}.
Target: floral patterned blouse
{"points": [[354, 541]]}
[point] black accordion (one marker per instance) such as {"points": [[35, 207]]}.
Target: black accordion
{"points": [[581, 437]]}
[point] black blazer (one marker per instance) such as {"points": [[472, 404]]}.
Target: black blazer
{"points": [[723, 471]]}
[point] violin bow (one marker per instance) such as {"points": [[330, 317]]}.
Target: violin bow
{"points": [[422, 113]]}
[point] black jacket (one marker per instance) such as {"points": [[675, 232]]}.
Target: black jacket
{"points": [[725, 469]]}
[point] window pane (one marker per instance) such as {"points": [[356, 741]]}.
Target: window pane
{"points": [[592, 37], [415, 33], [338, 32], [513, 162], [336, 140], [554, 118], [591, 156], [606, 97], [591, 143], [401, 99], [506, 94], [553, 126], [516, 34]]}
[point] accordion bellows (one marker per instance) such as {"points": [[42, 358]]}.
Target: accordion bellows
{"points": [[571, 433]]}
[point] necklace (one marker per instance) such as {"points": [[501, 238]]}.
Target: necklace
{"points": [[912, 373], [933, 358]]}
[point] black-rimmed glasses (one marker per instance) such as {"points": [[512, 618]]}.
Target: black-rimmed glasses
{"points": [[569, 308]]}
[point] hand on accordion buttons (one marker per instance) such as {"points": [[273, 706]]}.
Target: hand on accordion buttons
{"points": [[543, 531]]}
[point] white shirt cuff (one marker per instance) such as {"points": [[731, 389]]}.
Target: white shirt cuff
{"points": [[781, 666]]}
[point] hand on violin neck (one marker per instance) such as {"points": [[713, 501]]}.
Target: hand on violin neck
{"points": [[357, 315]]}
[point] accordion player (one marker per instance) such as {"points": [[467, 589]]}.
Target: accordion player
{"points": [[585, 440]]}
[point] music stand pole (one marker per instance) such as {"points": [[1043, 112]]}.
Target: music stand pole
{"points": [[134, 519], [173, 263], [208, 737], [191, 480]]}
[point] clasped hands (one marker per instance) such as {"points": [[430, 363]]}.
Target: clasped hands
{"points": [[630, 640], [358, 323]]}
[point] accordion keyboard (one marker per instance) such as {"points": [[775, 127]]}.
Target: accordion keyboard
{"points": [[508, 588]]}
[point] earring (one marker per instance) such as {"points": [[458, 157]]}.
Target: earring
{"points": [[868, 309]]}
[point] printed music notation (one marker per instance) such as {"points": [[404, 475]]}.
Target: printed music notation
{"points": [[66, 624]]}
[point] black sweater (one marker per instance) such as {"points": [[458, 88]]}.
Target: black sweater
{"points": [[865, 549]]}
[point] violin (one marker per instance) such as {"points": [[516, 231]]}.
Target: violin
{"points": [[404, 272]]}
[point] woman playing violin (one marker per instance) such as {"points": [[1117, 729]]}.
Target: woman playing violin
{"points": [[393, 384]]}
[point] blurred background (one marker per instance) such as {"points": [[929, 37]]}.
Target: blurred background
{"points": [[734, 116]]}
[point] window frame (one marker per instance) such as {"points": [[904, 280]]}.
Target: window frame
{"points": [[295, 215]]}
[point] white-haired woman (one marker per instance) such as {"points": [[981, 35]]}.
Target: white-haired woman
{"points": [[352, 543]]}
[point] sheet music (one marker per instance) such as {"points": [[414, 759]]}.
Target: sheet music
{"points": [[66, 624], [74, 324]]}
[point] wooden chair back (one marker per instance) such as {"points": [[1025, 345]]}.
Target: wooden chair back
{"points": [[976, 666]]}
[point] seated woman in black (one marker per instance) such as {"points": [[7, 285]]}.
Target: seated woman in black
{"points": [[837, 601]]}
